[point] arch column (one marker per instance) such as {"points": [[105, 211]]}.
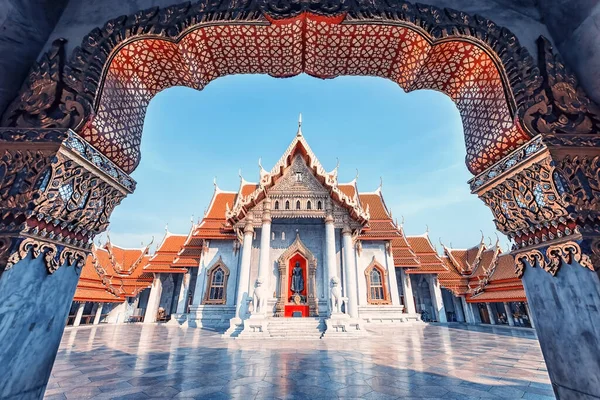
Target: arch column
{"points": [[98, 315], [545, 197], [63, 192], [79, 314], [265, 248]]}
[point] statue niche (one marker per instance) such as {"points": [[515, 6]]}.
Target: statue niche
{"points": [[297, 282]]}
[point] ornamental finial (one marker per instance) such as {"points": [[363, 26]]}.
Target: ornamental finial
{"points": [[299, 133]]}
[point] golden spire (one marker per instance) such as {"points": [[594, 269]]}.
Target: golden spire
{"points": [[299, 133]]}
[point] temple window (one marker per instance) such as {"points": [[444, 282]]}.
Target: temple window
{"points": [[282, 235], [216, 290], [319, 205], [287, 205], [272, 235], [377, 292], [298, 176], [298, 205], [308, 205], [277, 205]]}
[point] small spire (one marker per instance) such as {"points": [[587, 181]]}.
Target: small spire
{"points": [[426, 228], [167, 228], [356, 177], [299, 133]]}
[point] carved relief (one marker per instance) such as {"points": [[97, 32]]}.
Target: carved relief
{"points": [[555, 256], [527, 200], [556, 104], [54, 256]]}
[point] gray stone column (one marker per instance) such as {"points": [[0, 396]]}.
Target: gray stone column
{"points": [[153, 300], [331, 264], [467, 311], [264, 264], [394, 293], [350, 271], [475, 313], [98, 314], [183, 293], [409, 298], [509, 316], [437, 299], [77, 320], [244, 277], [529, 315], [491, 314], [460, 315]]}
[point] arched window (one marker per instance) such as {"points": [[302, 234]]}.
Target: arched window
{"points": [[287, 204], [319, 205], [298, 205], [277, 205], [216, 284], [308, 205], [377, 292]]}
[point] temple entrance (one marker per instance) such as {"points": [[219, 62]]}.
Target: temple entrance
{"points": [[296, 295], [296, 305]]}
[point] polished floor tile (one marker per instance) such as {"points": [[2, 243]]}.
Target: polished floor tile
{"points": [[413, 361]]}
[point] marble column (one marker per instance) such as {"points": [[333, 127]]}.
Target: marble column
{"points": [[468, 311], [529, 315], [350, 271], [491, 314], [183, 293], [330, 261], [264, 259], [509, 316], [79, 314], [458, 310], [437, 299], [98, 314], [409, 298], [244, 277], [475, 313], [153, 300], [391, 269]]}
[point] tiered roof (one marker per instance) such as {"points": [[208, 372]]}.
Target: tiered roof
{"points": [[429, 260], [166, 258], [113, 273]]}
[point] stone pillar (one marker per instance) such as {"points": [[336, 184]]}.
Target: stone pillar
{"points": [[491, 314], [183, 293], [437, 299], [98, 315], [153, 300], [79, 314], [475, 313], [264, 260], [393, 285], [468, 311], [509, 316], [350, 271], [409, 298], [460, 315], [330, 260], [529, 315], [244, 277]]}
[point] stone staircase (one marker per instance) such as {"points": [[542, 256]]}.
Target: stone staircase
{"points": [[296, 328]]}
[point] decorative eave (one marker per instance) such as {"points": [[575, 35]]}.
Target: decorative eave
{"points": [[120, 269], [244, 203]]}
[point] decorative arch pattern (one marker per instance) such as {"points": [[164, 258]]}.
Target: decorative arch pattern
{"points": [[111, 78], [216, 283], [297, 247], [376, 277]]}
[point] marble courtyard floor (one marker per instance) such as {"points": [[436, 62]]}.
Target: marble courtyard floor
{"points": [[424, 361]]}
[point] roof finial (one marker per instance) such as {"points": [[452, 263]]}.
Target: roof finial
{"points": [[299, 133], [192, 219], [356, 177], [215, 183], [482, 237], [426, 228], [167, 228]]}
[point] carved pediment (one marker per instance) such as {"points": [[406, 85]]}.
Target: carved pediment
{"points": [[298, 178]]}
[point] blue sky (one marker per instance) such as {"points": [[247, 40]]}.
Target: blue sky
{"points": [[414, 141]]}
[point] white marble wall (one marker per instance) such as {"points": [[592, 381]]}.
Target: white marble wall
{"points": [[218, 249]]}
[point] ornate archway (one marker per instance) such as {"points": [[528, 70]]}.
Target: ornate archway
{"points": [[72, 136], [297, 248]]}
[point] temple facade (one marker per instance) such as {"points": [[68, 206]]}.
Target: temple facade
{"points": [[296, 245]]}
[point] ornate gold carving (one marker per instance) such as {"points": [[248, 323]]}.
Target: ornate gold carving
{"points": [[533, 258]]}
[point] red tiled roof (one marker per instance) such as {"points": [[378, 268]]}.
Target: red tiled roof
{"points": [[426, 254], [164, 257]]}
